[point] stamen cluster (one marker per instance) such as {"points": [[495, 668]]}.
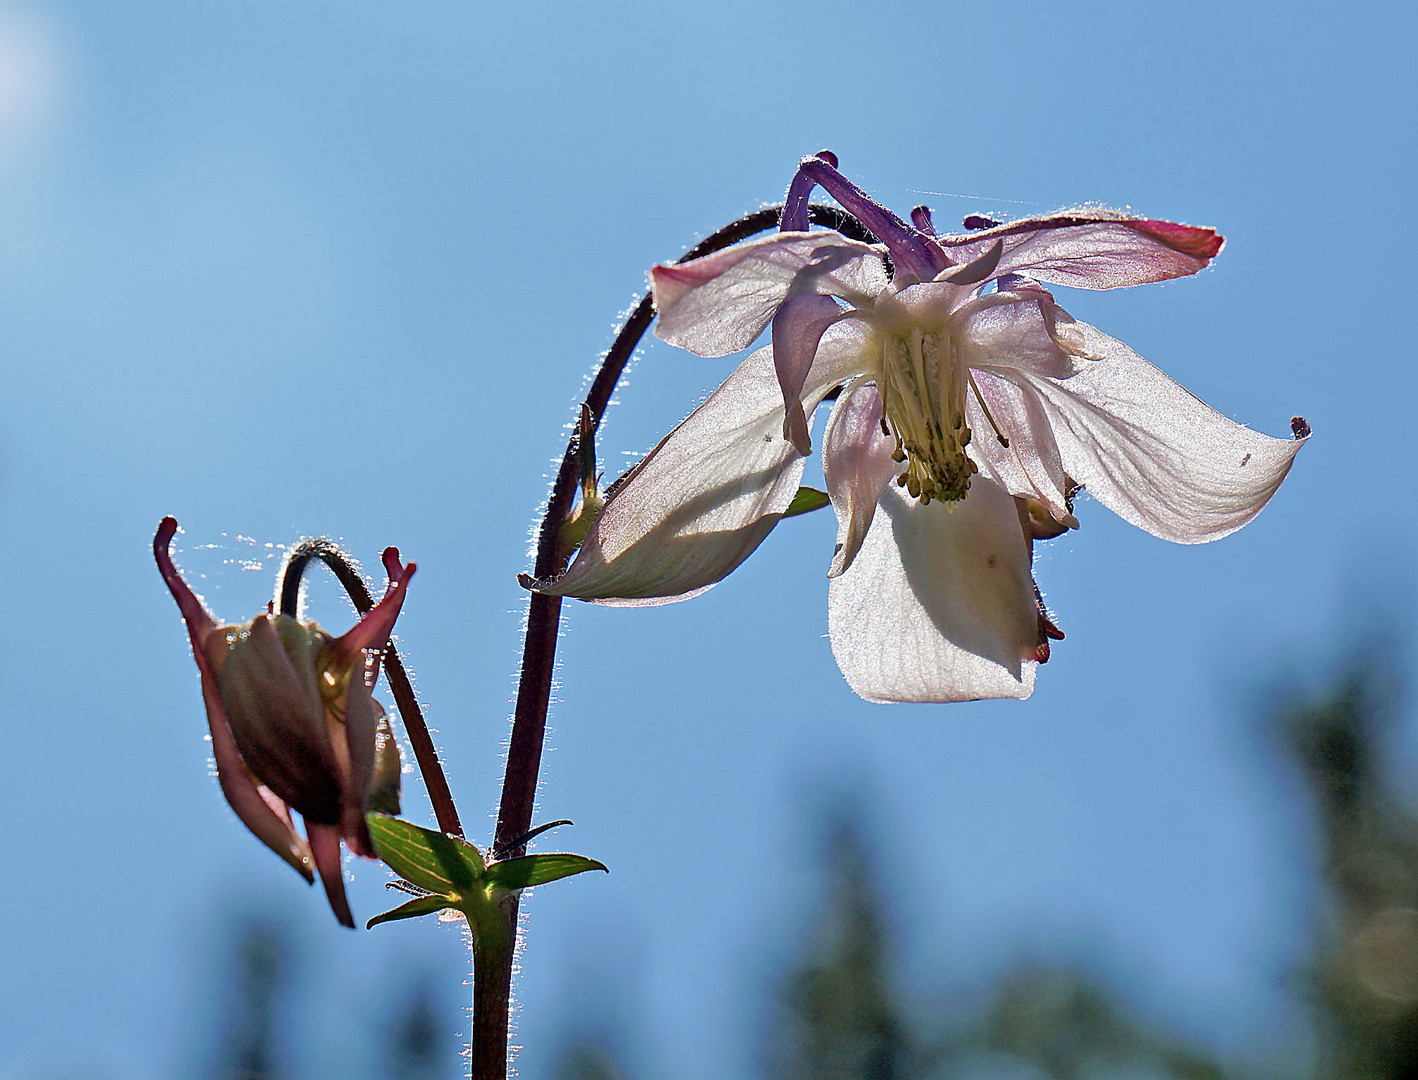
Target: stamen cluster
{"points": [[923, 386]]}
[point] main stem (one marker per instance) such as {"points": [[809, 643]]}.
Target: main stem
{"points": [[492, 974]]}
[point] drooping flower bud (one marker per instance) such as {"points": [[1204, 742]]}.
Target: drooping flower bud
{"points": [[295, 725]]}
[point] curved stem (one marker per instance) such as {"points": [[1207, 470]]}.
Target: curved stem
{"points": [[524, 751], [425, 753]]}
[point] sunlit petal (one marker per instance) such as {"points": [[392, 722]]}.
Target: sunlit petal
{"points": [[1092, 249], [857, 464], [705, 498], [797, 329], [719, 304], [1030, 466], [374, 627], [939, 604], [1012, 330], [1151, 452], [258, 808], [361, 729]]}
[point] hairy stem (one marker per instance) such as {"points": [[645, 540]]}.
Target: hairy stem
{"points": [[425, 753], [492, 981]]}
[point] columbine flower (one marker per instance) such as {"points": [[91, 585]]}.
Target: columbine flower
{"points": [[971, 409], [295, 726]]}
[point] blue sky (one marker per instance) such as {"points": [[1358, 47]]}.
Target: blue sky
{"points": [[315, 268]]}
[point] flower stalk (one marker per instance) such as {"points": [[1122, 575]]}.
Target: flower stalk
{"points": [[492, 966], [425, 753]]}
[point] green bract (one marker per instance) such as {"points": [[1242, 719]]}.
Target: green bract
{"points": [[455, 875]]}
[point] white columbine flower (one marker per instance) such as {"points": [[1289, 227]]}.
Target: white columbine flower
{"points": [[971, 408]]}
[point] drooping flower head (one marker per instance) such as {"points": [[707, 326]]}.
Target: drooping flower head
{"points": [[970, 409], [295, 725]]}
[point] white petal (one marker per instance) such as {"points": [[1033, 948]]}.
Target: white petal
{"points": [[1030, 465], [705, 498], [719, 304], [1151, 452], [1013, 329], [939, 604], [798, 327], [856, 463]]}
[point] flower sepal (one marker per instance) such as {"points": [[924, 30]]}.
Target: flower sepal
{"points": [[294, 724], [806, 501], [448, 873]]}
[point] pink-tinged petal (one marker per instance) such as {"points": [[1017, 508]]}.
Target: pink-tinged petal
{"points": [[199, 621], [1151, 452], [978, 269], [1013, 330], [857, 464], [705, 498], [1004, 331], [394, 569], [1021, 286], [325, 846], [939, 604], [719, 304], [1030, 466], [1093, 249], [374, 627], [1190, 240], [798, 326], [259, 810]]}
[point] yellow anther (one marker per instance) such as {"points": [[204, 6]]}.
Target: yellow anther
{"points": [[923, 391]]}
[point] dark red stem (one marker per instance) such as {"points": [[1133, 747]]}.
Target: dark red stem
{"points": [[425, 753], [492, 976]]}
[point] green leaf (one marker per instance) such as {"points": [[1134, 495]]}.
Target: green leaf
{"points": [[530, 870], [806, 500], [419, 905], [428, 859]]}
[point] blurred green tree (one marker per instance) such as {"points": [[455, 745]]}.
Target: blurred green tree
{"points": [[838, 1018], [1363, 974], [843, 1014], [246, 1044]]}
